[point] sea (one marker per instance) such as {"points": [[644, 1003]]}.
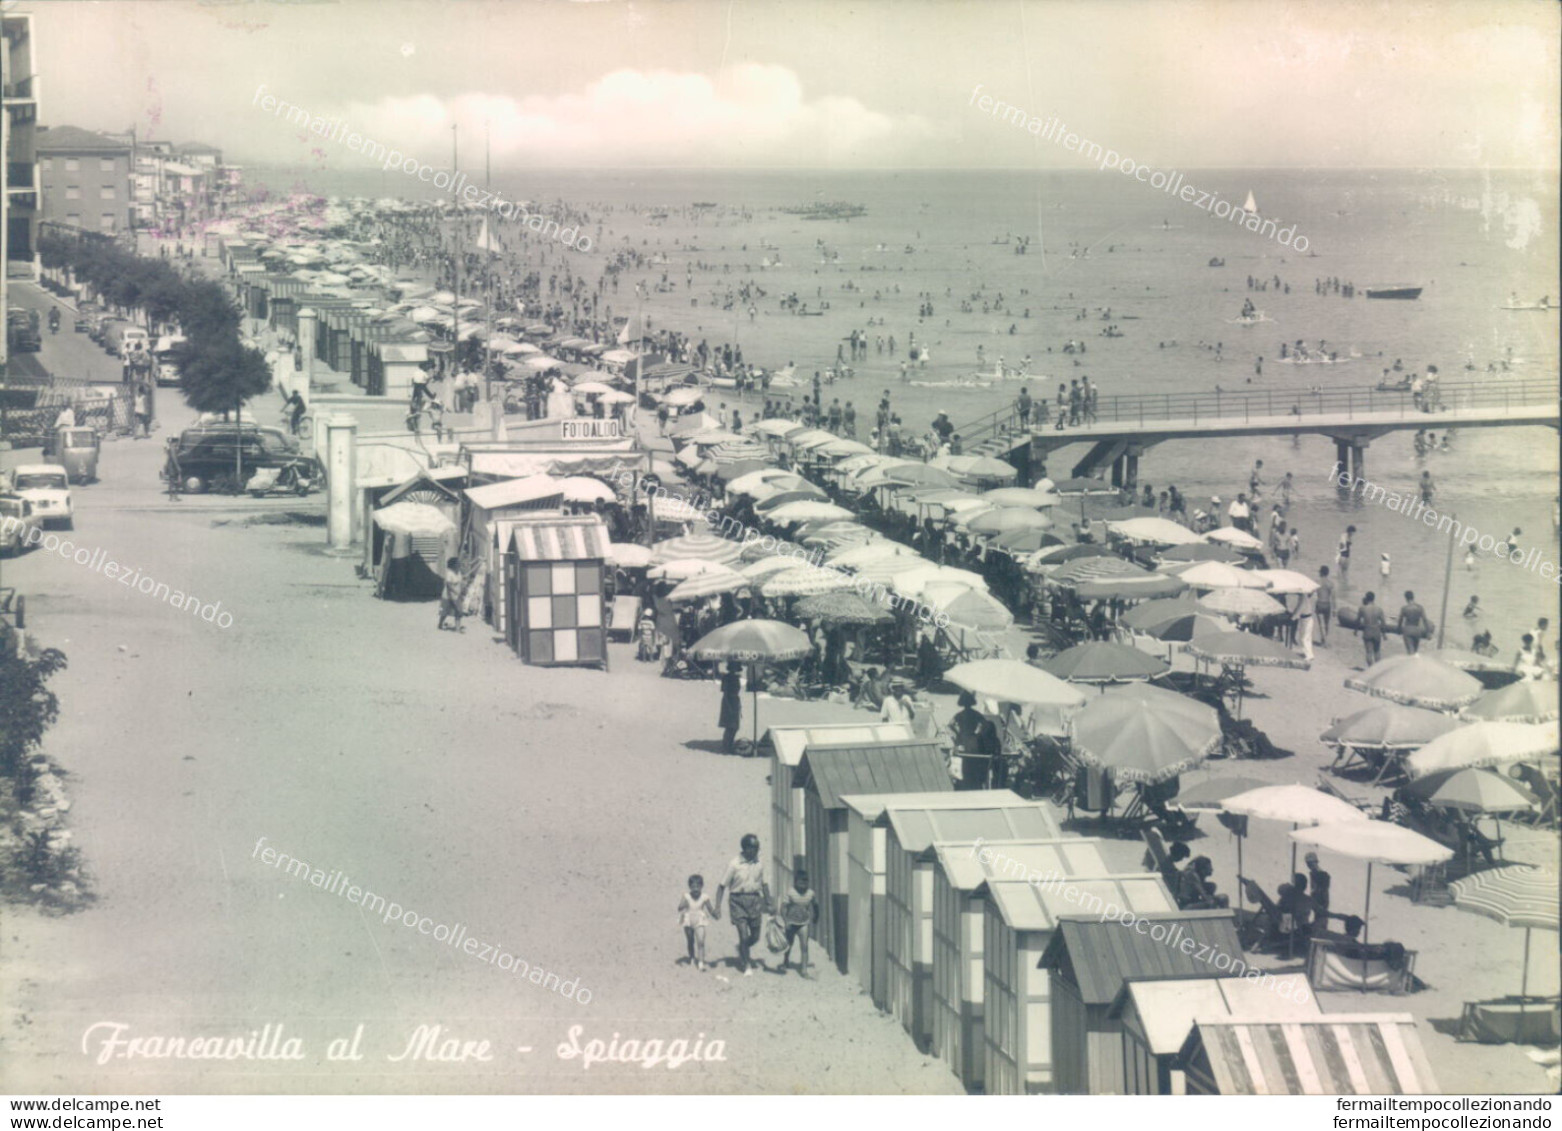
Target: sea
{"points": [[1102, 242]]}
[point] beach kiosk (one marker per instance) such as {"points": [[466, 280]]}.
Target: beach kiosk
{"points": [[786, 745], [1091, 961], [1157, 1018], [1352, 1054], [830, 773], [553, 578], [1020, 920], [960, 875], [866, 837], [908, 889]]}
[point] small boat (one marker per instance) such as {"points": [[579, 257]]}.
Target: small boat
{"points": [[1251, 205], [1398, 290], [1217, 262], [1543, 305]]}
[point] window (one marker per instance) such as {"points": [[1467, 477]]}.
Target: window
{"points": [[73, 219], [105, 164], [108, 222], [72, 165], [72, 192], [106, 192], [47, 163]]}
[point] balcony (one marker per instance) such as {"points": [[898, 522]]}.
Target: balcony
{"points": [[21, 176]]}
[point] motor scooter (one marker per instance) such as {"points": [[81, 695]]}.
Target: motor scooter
{"points": [[299, 478]]}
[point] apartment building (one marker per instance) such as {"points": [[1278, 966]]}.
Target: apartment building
{"points": [[18, 136], [86, 179]]}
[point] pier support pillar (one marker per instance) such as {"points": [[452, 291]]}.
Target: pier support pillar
{"points": [[1358, 454], [341, 438], [1118, 468], [1131, 472]]}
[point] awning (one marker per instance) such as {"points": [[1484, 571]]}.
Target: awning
{"points": [[561, 540], [608, 460], [511, 492]]}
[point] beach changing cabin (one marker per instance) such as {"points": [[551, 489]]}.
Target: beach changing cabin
{"points": [[908, 888], [1020, 919], [786, 745], [960, 876], [1351, 1054], [1157, 1018], [866, 837], [833, 772], [1091, 961], [553, 575]]}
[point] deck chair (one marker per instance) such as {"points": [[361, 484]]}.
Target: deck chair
{"points": [[625, 617], [1336, 964], [1155, 855]]}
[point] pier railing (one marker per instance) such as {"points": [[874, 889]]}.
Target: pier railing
{"points": [[1441, 402]]}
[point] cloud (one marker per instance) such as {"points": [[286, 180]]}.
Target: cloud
{"points": [[752, 114]]}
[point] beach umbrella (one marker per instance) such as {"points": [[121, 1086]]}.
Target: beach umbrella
{"points": [[584, 489], [629, 555], [1129, 588], [844, 608], [1296, 805], [804, 581], [1219, 575], [856, 557], [1021, 497], [919, 475], [1389, 726], [737, 469], [882, 571], [753, 642], [678, 398], [591, 387], [1528, 701], [845, 447], [1201, 552], [1241, 649], [685, 568], [1210, 794], [1058, 555], [978, 467], [700, 547], [1145, 738], [712, 436], [1151, 614], [1095, 569], [1286, 581], [1515, 896], [1100, 662], [854, 465], [1017, 542], [911, 583], [1004, 519], [782, 498], [962, 512], [1467, 661], [670, 508], [776, 428], [709, 584], [809, 437], [766, 567], [1485, 792], [1241, 603], [1417, 681], [760, 548], [730, 452], [1013, 681], [967, 608], [808, 510], [1160, 531], [1183, 629], [615, 396], [747, 483], [1483, 744], [1231, 536], [1376, 842], [542, 362]]}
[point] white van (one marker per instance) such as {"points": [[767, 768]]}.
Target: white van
{"points": [[133, 339]]}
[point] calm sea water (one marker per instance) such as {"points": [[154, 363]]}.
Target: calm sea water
{"points": [[1471, 239]]}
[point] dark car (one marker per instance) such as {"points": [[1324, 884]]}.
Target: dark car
{"points": [[22, 330], [86, 315], [205, 457]]}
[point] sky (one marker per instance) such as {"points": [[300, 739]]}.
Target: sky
{"points": [[820, 83]]}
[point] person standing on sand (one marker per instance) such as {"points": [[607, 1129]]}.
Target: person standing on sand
{"points": [[1369, 623], [695, 911], [798, 912], [731, 707], [744, 880], [1413, 625]]}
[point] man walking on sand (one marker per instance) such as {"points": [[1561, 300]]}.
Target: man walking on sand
{"points": [[1370, 622], [744, 879]]}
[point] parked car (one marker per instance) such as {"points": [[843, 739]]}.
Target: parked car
{"points": [[47, 487], [101, 323], [22, 329], [163, 359], [224, 457], [17, 525], [84, 316]]}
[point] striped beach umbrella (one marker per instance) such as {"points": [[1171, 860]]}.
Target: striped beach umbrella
{"points": [[768, 567], [842, 608], [1418, 681], [685, 568], [1528, 701], [1095, 569], [698, 547], [710, 584], [804, 581], [1515, 896]]}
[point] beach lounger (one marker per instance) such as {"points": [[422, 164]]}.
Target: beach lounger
{"points": [[1155, 856], [1341, 964], [624, 616]]}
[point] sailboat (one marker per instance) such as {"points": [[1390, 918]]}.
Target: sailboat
{"points": [[1251, 205]]}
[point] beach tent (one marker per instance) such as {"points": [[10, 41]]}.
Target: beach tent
{"points": [[1157, 1018], [416, 540], [1020, 918], [912, 832], [960, 876], [1353, 1054], [1091, 961], [785, 746], [866, 841], [830, 773]]}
